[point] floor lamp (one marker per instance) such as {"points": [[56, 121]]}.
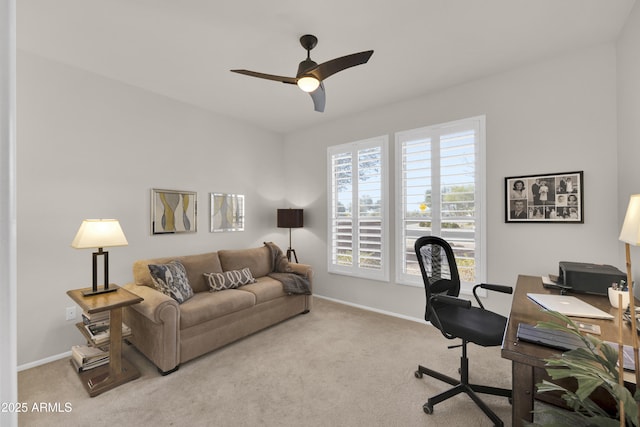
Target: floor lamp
{"points": [[290, 218], [630, 235]]}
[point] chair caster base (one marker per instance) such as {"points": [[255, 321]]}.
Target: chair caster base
{"points": [[427, 408]]}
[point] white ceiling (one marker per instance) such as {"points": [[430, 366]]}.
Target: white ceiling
{"points": [[185, 49]]}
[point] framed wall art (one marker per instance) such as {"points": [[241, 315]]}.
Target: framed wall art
{"points": [[173, 211], [556, 198], [227, 212]]}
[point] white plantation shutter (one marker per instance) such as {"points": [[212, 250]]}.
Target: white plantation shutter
{"points": [[439, 193], [341, 206], [357, 208], [416, 199]]}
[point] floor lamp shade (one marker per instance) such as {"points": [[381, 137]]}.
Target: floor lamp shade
{"points": [[290, 218], [99, 233]]}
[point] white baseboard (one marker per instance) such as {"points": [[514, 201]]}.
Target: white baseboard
{"points": [[43, 361], [364, 307]]}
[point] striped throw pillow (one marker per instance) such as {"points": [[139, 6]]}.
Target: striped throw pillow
{"points": [[229, 279]]}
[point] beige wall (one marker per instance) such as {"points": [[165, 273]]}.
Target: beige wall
{"points": [[89, 147], [628, 54], [553, 116]]}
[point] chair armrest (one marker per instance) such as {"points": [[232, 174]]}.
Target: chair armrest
{"points": [[498, 288]]}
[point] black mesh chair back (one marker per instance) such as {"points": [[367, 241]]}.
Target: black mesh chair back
{"points": [[456, 318], [439, 272], [437, 259]]}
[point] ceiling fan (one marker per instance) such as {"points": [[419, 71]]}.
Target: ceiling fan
{"points": [[311, 75]]}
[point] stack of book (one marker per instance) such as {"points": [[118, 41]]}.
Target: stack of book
{"points": [[99, 332], [100, 317], [84, 357], [97, 327]]}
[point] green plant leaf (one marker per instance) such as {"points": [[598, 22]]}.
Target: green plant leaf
{"points": [[594, 365]]}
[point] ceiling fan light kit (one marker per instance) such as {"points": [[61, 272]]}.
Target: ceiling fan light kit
{"points": [[310, 75], [308, 83]]}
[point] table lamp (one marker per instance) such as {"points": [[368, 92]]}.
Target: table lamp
{"points": [[99, 233], [290, 218], [630, 235]]}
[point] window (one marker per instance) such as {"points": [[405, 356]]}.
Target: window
{"points": [[439, 191], [357, 208]]}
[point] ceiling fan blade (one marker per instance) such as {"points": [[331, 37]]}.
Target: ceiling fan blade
{"points": [[318, 97], [282, 79], [329, 68], [310, 69]]}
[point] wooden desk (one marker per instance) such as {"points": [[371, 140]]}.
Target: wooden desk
{"points": [[528, 359], [119, 370]]}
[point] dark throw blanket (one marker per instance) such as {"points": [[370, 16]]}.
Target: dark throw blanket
{"points": [[292, 282]]}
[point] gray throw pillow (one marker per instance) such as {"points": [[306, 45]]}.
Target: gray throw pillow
{"points": [[229, 279], [171, 279]]}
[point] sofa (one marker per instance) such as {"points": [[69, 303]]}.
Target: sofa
{"points": [[169, 332]]}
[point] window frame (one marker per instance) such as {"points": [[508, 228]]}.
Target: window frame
{"points": [[354, 270], [477, 123]]}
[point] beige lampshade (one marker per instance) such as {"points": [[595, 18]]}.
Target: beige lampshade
{"points": [[99, 233], [631, 227]]}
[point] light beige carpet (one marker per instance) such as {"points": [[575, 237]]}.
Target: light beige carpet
{"points": [[336, 366]]}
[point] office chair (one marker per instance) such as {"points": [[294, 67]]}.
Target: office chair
{"points": [[457, 319]]}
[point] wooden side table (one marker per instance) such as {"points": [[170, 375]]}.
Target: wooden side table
{"points": [[119, 370]]}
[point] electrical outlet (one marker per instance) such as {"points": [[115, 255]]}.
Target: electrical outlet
{"points": [[71, 313]]}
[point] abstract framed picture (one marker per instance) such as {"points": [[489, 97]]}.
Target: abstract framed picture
{"points": [[173, 211], [552, 198], [227, 212]]}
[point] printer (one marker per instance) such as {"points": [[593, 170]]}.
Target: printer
{"points": [[589, 278]]}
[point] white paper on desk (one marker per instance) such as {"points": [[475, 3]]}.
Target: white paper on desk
{"points": [[547, 281]]}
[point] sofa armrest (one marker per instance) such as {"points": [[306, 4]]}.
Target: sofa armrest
{"points": [[304, 270], [155, 326], [155, 303]]}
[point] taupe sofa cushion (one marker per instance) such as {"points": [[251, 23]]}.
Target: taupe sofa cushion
{"points": [[265, 289], [257, 259], [196, 266], [205, 306]]}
